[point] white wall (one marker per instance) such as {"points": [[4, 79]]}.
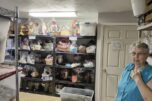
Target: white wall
{"points": [[117, 18], [99, 62]]}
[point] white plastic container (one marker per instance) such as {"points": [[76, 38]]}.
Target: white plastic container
{"points": [[76, 94], [138, 7], [88, 29]]}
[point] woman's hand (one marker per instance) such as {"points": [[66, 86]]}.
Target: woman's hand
{"points": [[135, 75], [145, 89]]}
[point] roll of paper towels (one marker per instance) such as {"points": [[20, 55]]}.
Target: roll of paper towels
{"points": [[138, 7], [4, 27]]}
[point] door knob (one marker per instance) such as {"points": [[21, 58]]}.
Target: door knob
{"points": [[105, 70]]}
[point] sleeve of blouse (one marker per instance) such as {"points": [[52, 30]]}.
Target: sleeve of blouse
{"points": [[127, 67], [150, 75], [147, 76]]}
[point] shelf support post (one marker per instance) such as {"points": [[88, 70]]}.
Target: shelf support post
{"points": [[16, 51]]}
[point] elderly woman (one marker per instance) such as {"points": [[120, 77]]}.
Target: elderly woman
{"points": [[136, 80]]}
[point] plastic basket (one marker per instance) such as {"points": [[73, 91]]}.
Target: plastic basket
{"points": [[76, 94], [87, 29]]}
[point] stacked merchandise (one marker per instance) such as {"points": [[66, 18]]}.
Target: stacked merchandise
{"points": [[54, 56], [146, 16]]}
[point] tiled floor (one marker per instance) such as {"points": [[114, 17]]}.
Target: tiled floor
{"points": [[37, 97]]}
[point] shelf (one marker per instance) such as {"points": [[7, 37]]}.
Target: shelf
{"points": [[48, 36], [38, 51], [71, 83], [45, 36], [148, 3], [9, 62], [145, 27], [42, 36], [35, 79], [13, 49], [55, 68], [5, 16], [11, 35], [37, 64], [36, 92], [85, 68], [26, 64], [79, 37], [34, 37], [57, 52]]}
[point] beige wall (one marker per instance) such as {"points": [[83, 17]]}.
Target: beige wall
{"points": [[117, 17]]}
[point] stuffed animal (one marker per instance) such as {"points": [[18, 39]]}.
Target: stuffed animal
{"points": [[23, 29], [46, 75], [42, 28], [75, 28], [63, 45], [49, 60], [25, 44], [30, 28], [54, 28], [82, 49]]}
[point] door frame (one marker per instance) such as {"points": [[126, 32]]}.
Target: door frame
{"points": [[99, 58]]}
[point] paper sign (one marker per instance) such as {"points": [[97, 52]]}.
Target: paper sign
{"points": [[32, 37], [72, 38], [116, 45]]}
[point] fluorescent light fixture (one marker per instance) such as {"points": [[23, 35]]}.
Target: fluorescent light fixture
{"points": [[53, 14]]}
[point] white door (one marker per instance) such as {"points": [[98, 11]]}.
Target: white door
{"points": [[116, 55]]}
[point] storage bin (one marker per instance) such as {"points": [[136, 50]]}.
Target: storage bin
{"points": [[76, 94], [87, 29]]}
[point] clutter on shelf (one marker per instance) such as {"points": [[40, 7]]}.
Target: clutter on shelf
{"points": [[55, 55]]}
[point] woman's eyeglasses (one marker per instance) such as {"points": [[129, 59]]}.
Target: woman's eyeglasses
{"points": [[139, 54]]}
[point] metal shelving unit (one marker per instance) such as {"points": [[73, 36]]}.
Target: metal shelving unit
{"points": [[37, 65], [13, 16], [68, 82]]}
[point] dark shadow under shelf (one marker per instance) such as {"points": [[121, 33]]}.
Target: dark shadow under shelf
{"points": [[37, 92], [71, 83], [35, 79], [86, 68], [36, 64], [37, 51], [79, 37], [57, 52]]}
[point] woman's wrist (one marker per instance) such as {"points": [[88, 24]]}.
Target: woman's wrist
{"points": [[139, 81], [136, 76]]}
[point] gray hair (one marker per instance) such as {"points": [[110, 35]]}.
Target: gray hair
{"points": [[139, 44]]}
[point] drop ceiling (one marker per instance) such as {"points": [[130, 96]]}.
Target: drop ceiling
{"points": [[81, 6]]}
